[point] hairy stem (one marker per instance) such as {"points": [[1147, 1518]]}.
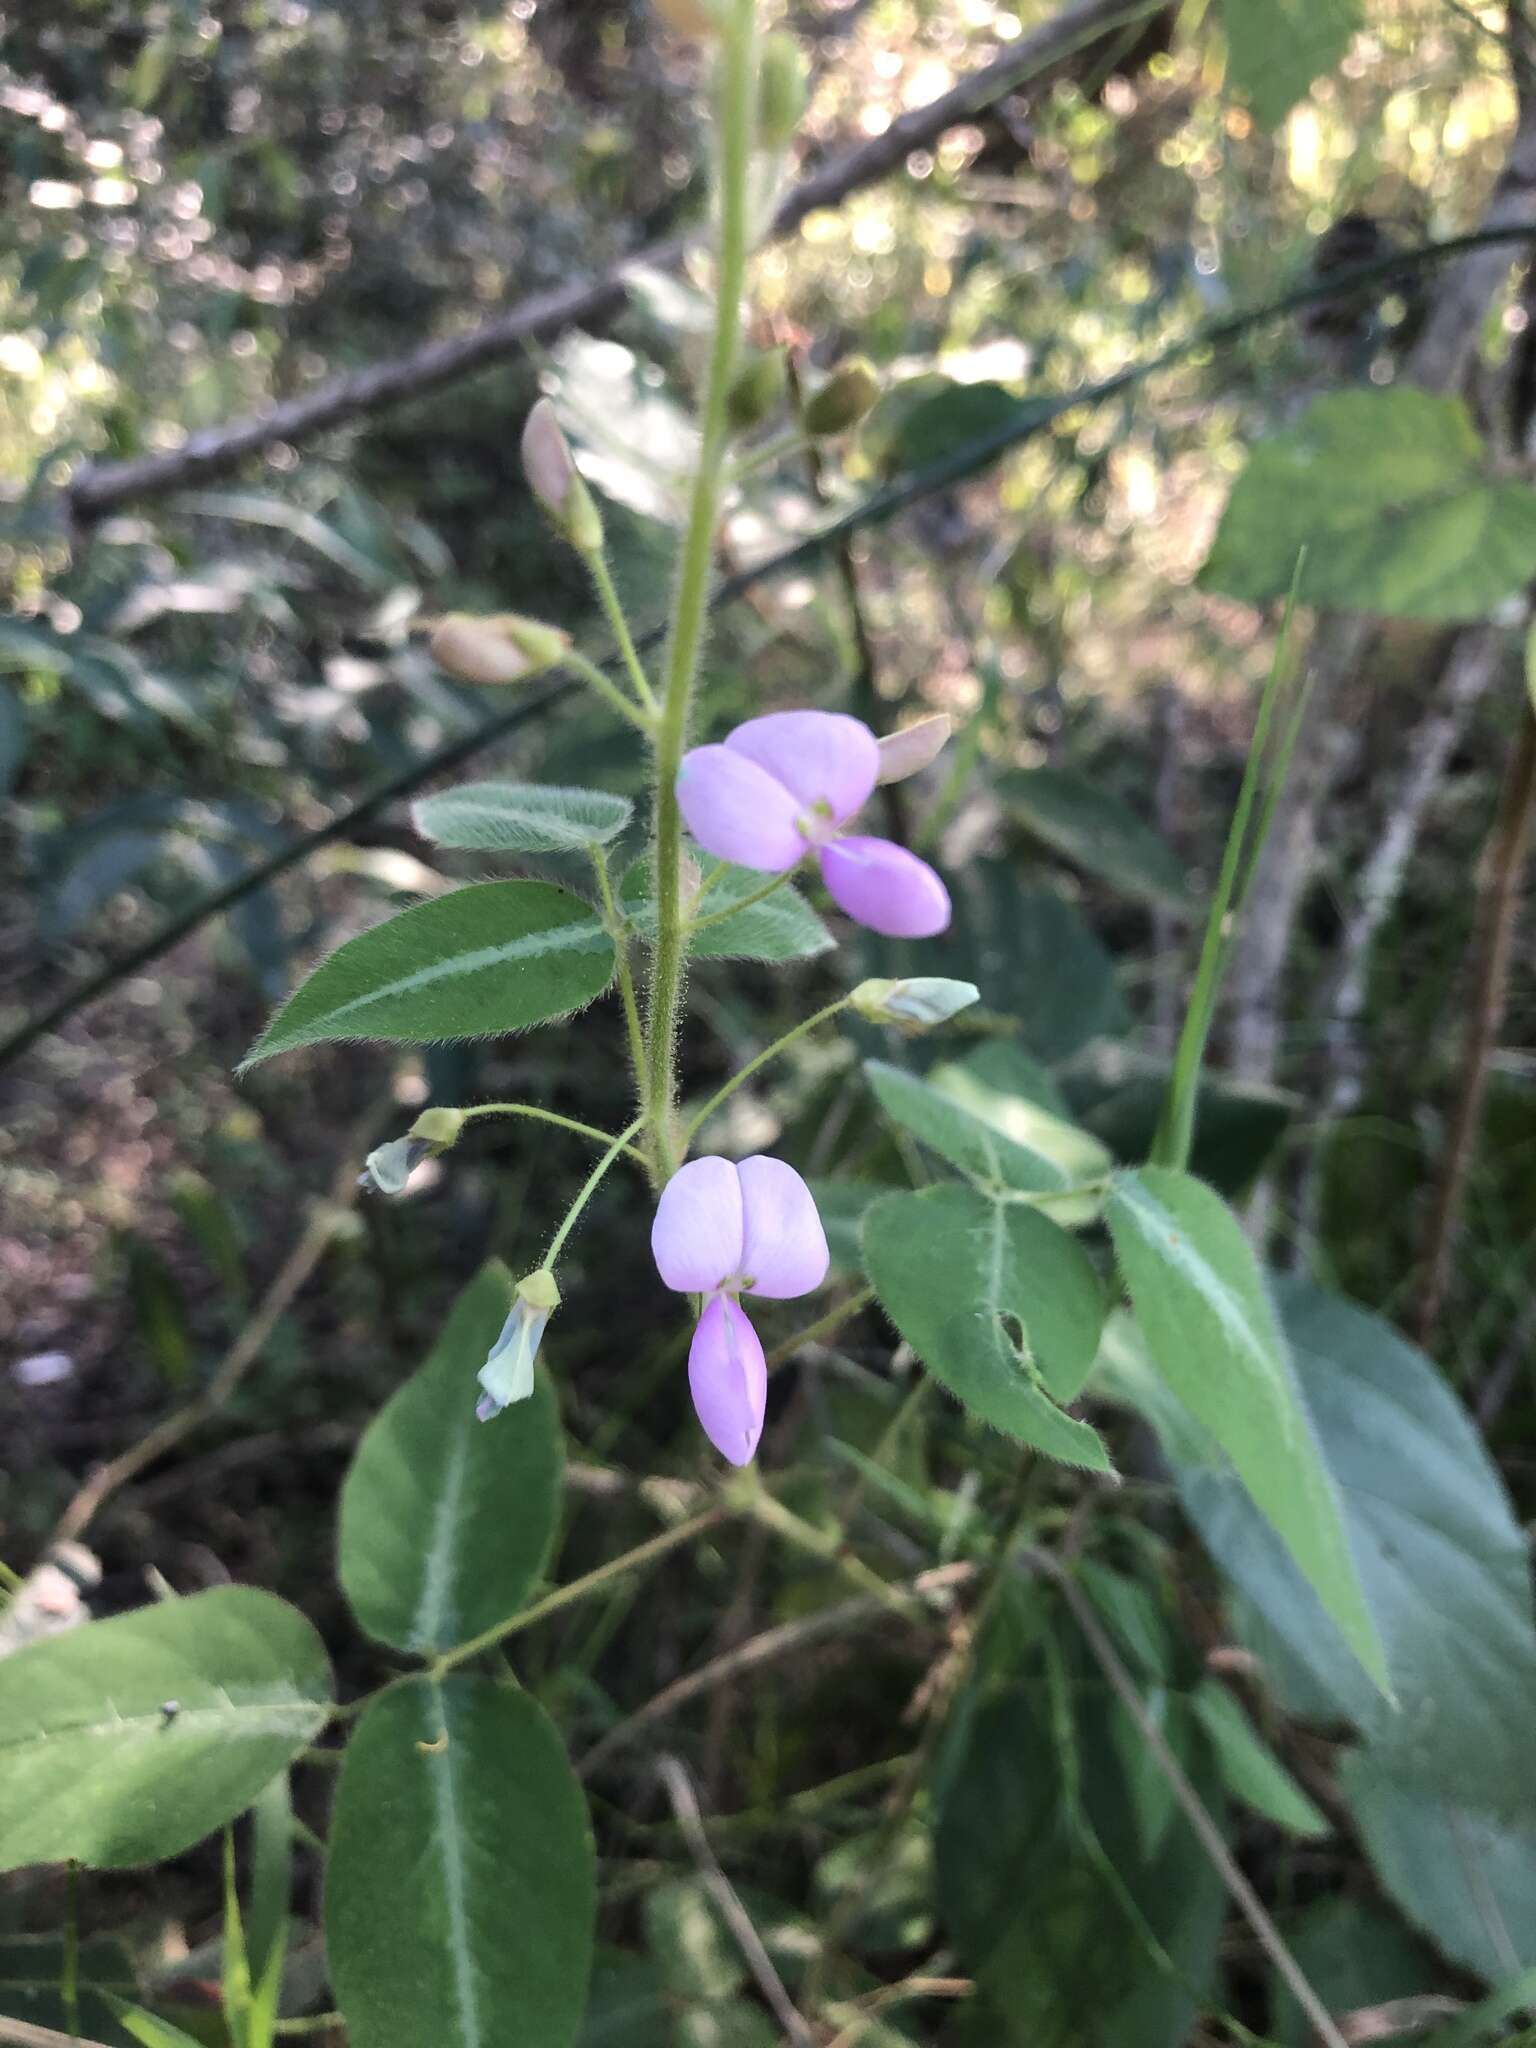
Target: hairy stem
{"points": [[626, 979], [618, 625], [548, 1116], [737, 115], [768, 1053], [589, 1189]]}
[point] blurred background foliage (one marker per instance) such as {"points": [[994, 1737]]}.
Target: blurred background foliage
{"points": [[213, 206]]}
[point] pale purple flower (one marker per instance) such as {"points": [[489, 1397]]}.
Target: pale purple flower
{"points": [[784, 786], [725, 1230]]}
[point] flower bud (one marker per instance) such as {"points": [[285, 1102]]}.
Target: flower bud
{"points": [[556, 482], [507, 1374], [389, 1167], [781, 91], [912, 749], [844, 399], [689, 17], [913, 1005], [503, 648], [756, 389]]}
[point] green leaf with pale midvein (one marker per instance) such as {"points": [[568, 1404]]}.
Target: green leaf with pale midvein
{"points": [[782, 927], [446, 1521], [517, 817], [128, 1740], [949, 1266], [1212, 1334], [492, 957], [460, 1889]]}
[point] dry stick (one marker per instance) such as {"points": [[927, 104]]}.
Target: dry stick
{"points": [[1475, 661], [99, 487], [1244, 1897], [238, 1360], [1437, 363], [22, 2034], [904, 1993], [765, 1648], [685, 1807], [1497, 910]]}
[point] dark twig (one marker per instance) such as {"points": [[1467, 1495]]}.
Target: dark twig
{"points": [[685, 1807], [1498, 908]]}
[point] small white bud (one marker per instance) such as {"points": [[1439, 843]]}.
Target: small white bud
{"points": [[555, 481], [507, 1375], [914, 1005], [912, 749], [504, 648]]}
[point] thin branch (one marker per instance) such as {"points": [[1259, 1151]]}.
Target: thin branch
{"points": [[1497, 912], [866, 2009], [98, 488], [685, 1807], [1209, 1836], [244, 1353], [766, 1648]]}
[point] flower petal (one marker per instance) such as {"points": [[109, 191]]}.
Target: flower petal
{"points": [[728, 1378], [823, 757], [784, 1248], [696, 1238], [737, 811], [885, 887]]}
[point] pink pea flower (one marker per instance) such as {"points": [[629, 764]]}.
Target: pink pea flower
{"points": [[721, 1231], [784, 786]]}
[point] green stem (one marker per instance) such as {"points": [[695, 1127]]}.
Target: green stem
{"points": [[582, 1588], [743, 903], [770, 1053], [737, 118], [620, 933], [618, 624], [589, 1188], [1176, 1129], [608, 690], [779, 449], [548, 1116]]}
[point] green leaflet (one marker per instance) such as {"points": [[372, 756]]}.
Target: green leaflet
{"points": [[1277, 47], [446, 1521], [1211, 1332], [949, 1265], [128, 1740], [460, 1890], [1391, 496], [492, 957], [513, 817]]}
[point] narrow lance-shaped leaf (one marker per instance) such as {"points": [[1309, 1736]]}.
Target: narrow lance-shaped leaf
{"points": [[128, 1740], [512, 817], [492, 957], [460, 1891], [953, 1269], [446, 1522], [1212, 1334]]}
